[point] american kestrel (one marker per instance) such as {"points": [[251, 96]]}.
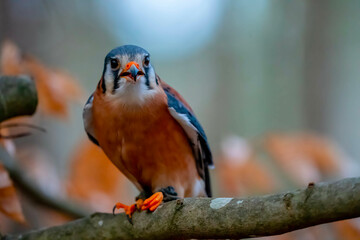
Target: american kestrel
{"points": [[148, 131]]}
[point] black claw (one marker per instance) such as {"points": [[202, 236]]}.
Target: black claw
{"points": [[127, 216], [129, 219], [114, 210]]}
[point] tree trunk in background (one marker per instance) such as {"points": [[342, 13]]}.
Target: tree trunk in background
{"points": [[317, 64], [331, 72]]}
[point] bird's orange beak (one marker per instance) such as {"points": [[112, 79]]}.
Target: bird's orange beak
{"points": [[132, 70]]}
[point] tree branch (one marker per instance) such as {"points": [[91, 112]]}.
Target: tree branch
{"points": [[220, 217], [18, 96]]}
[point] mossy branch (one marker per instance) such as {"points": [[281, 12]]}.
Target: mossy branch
{"points": [[220, 217], [18, 96]]}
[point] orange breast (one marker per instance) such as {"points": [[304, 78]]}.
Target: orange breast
{"points": [[146, 144]]}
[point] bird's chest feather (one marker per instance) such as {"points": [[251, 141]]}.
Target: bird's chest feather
{"points": [[142, 141]]}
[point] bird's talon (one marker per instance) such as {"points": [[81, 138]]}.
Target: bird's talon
{"points": [[129, 210], [153, 202], [129, 219], [114, 210], [118, 206]]}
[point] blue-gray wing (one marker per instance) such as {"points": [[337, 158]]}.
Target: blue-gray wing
{"points": [[88, 120], [185, 117]]}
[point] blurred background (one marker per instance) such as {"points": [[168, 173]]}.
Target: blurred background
{"points": [[275, 85]]}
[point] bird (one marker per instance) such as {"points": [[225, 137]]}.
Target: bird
{"points": [[148, 131]]}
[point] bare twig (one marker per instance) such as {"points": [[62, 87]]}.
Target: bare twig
{"points": [[18, 135], [34, 192], [220, 217], [11, 125]]}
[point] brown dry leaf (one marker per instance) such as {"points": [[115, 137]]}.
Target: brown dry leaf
{"points": [[9, 202], [94, 180], [55, 88], [240, 173], [304, 157]]}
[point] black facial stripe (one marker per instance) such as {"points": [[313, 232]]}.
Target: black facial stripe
{"points": [[156, 80], [116, 81], [147, 82], [103, 86]]}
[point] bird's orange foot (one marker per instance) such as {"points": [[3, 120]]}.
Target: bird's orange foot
{"points": [[139, 203], [129, 210], [153, 202]]}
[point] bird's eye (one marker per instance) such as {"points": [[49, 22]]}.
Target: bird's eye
{"points": [[114, 64], [147, 61]]}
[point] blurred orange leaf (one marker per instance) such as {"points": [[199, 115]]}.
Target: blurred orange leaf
{"points": [[348, 229], [55, 87], [9, 202], [94, 179], [304, 157], [239, 170]]}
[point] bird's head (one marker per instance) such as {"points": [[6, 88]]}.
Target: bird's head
{"points": [[128, 75]]}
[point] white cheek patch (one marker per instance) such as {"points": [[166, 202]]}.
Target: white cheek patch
{"points": [[151, 76]]}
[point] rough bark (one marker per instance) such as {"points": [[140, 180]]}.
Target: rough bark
{"points": [[220, 217], [18, 96]]}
